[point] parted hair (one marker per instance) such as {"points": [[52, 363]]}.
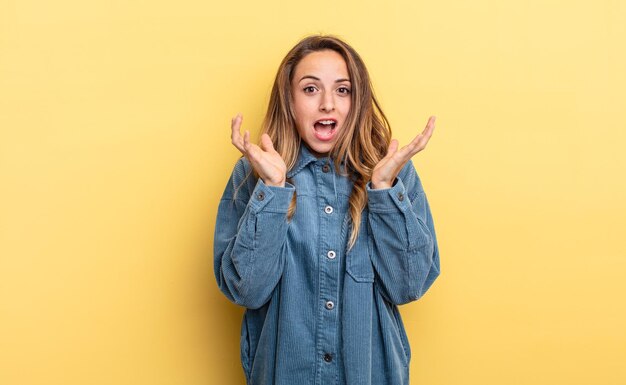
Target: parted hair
{"points": [[360, 144]]}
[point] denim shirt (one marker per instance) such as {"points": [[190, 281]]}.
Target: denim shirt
{"points": [[317, 313]]}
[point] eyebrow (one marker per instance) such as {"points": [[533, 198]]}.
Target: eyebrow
{"points": [[318, 79]]}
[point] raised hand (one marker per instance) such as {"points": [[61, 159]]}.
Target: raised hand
{"points": [[264, 159], [386, 171]]}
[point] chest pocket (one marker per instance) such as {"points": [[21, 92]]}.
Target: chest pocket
{"points": [[358, 261]]}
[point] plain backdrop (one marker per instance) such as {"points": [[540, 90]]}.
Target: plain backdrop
{"points": [[115, 149]]}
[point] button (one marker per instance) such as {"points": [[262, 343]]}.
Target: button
{"points": [[400, 197], [325, 168], [331, 254], [328, 357], [330, 305], [260, 196], [328, 209]]}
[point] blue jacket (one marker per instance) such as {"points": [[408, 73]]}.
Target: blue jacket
{"points": [[315, 313]]}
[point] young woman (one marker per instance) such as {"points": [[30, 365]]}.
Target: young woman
{"points": [[324, 229]]}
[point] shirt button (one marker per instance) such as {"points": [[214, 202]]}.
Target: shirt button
{"points": [[400, 197], [328, 209], [260, 196], [330, 305], [325, 168], [328, 357], [331, 254]]}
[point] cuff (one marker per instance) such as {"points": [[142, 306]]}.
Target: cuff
{"points": [[387, 199], [271, 198]]}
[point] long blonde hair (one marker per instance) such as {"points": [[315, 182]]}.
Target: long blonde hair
{"points": [[362, 141]]}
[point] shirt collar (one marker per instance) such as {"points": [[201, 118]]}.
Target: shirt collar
{"points": [[304, 158]]}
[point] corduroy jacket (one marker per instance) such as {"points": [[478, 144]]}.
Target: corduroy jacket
{"points": [[317, 313]]}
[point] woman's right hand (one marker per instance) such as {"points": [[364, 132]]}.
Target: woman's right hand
{"points": [[264, 159]]}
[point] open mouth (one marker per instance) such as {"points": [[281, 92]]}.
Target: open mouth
{"points": [[325, 129]]}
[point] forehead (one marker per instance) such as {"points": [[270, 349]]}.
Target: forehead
{"points": [[322, 64]]}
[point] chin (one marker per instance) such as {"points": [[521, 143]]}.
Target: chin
{"points": [[322, 150]]}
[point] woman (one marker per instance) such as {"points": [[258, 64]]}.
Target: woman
{"points": [[320, 292]]}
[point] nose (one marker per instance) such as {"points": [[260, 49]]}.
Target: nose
{"points": [[327, 103]]}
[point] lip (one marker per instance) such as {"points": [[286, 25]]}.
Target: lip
{"points": [[325, 137], [319, 120]]}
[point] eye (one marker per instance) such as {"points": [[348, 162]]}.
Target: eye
{"points": [[344, 90], [308, 89]]}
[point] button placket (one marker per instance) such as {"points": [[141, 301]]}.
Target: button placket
{"points": [[330, 224]]}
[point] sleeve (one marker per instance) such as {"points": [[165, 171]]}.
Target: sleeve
{"points": [[402, 243], [250, 237]]}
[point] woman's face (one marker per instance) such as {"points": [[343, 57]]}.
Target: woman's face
{"points": [[321, 91]]}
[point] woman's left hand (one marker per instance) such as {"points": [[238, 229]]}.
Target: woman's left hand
{"points": [[386, 171]]}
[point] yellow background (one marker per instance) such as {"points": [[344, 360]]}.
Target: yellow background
{"points": [[115, 149]]}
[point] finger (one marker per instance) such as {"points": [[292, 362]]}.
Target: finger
{"points": [[428, 130], [426, 134], [393, 147], [236, 134], [420, 141], [430, 127], [266, 143], [246, 141], [395, 159], [252, 150]]}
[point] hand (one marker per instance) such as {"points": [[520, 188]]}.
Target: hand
{"points": [[386, 171], [265, 160]]}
